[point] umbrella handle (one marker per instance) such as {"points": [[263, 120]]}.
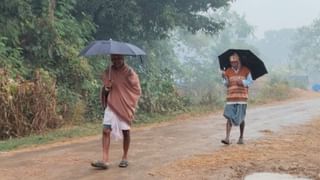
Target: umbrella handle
{"points": [[109, 72]]}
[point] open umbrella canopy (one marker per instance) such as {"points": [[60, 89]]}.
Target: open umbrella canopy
{"points": [[104, 47], [247, 59]]}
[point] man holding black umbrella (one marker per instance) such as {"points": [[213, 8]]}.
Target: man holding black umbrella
{"points": [[237, 79]]}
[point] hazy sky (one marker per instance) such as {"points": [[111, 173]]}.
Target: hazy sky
{"points": [[266, 15]]}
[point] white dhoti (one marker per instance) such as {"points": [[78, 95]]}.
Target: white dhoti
{"points": [[115, 122]]}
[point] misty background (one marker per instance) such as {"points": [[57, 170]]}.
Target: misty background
{"points": [[284, 34], [283, 30]]}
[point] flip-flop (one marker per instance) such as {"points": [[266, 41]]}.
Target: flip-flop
{"points": [[123, 163], [225, 141], [100, 164]]}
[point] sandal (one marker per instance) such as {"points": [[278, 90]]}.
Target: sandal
{"points": [[100, 164], [123, 163], [224, 141]]}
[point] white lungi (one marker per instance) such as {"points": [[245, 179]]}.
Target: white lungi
{"points": [[116, 123]]}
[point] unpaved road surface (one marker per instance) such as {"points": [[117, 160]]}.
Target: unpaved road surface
{"points": [[295, 151], [155, 146]]}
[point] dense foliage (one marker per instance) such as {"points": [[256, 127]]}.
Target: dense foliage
{"points": [[149, 19], [48, 35]]}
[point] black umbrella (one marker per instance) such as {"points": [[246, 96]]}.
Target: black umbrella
{"points": [[247, 59], [103, 47]]}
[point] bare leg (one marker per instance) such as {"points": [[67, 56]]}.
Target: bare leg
{"points": [[228, 131], [126, 143], [242, 125], [105, 144]]}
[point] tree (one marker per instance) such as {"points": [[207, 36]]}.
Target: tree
{"points": [[49, 35], [44, 34], [148, 19], [305, 55], [275, 46]]}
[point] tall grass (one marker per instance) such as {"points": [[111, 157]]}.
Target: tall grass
{"points": [[27, 106]]}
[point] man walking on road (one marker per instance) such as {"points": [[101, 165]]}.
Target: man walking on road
{"points": [[123, 88], [237, 79]]}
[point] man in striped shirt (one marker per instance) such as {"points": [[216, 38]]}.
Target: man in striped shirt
{"points": [[237, 79]]}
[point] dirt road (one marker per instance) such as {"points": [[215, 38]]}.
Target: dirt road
{"points": [[153, 147]]}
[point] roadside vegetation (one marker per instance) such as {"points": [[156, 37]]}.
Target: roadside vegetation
{"points": [[268, 92]]}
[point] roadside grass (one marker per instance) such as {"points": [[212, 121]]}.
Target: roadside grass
{"points": [[269, 93]]}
